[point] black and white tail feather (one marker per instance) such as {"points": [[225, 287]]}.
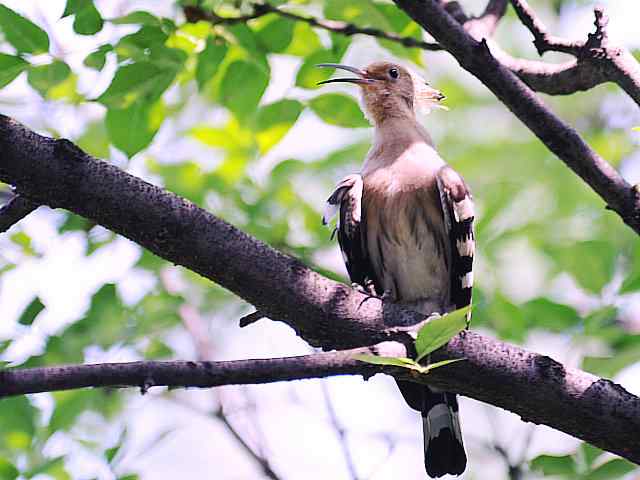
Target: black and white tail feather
{"points": [[443, 446]]}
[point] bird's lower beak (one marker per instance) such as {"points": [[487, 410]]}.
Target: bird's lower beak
{"points": [[362, 78]]}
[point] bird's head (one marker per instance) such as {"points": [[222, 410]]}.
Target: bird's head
{"points": [[389, 90]]}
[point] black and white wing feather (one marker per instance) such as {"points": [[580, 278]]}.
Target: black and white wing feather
{"points": [[347, 201], [458, 209]]}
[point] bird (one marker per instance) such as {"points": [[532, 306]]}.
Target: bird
{"points": [[405, 229]]}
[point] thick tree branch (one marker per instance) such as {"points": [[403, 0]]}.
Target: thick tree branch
{"points": [[475, 57], [323, 312], [586, 406]]}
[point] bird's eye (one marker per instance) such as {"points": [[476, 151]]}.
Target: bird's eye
{"points": [[393, 73]]}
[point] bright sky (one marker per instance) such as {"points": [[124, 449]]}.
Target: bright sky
{"points": [[291, 416]]}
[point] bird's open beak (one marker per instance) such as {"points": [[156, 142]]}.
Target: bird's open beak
{"points": [[362, 76]]}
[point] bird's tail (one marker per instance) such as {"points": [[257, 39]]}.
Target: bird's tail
{"points": [[443, 447]]}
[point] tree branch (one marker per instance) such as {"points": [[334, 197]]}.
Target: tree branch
{"points": [[194, 14], [596, 60], [15, 210], [324, 312], [576, 402], [194, 324], [543, 41], [475, 57]]}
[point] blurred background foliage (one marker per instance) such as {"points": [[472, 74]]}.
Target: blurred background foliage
{"points": [[228, 115]]}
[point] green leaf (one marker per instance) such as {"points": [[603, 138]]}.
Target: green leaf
{"points": [[554, 465], [361, 12], [441, 363], [138, 46], [95, 140], [309, 75], [631, 283], [132, 129], [23, 34], [87, 19], [71, 404], [276, 35], [157, 350], [247, 39], [305, 40], [10, 67], [44, 77], [31, 312], [110, 453], [611, 470], [391, 361], [242, 88], [8, 470], [609, 366], [404, 362], [338, 109], [594, 274], [544, 313], [17, 422], [589, 453], [209, 61], [274, 121], [401, 24], [439, 330], [139, 17], [53, 466], [142, 82], [97, 59]]}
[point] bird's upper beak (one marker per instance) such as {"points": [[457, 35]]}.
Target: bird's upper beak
{"points": [[362, 78]]}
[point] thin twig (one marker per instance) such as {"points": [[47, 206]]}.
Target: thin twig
{"points": [[15, 210], [194, 14], [340, 432], [197, 330], [543, 40], [251, 318], [487, 23]]}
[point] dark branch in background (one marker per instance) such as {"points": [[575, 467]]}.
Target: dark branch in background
{"points": [[475, 57], [340, 432], [596, 60], [194, 14], [323, 312], [196, 327], [485, 23], [15, 210]]}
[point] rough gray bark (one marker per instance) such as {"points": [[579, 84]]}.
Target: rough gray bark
{"points": [[325, 313]]}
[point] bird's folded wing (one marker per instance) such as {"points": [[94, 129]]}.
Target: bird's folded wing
{"points": [[347, 200], [458, 209]]}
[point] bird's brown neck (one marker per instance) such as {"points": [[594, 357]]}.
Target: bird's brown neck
{"points": [[383, 106]]}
